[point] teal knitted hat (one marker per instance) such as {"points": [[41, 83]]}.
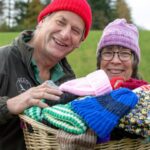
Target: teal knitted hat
{"points": [[62, 117]]}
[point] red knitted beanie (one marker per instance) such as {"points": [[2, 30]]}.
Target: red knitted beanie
{"points": [[80, 7]]}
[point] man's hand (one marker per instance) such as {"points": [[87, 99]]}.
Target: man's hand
{"points": [[33, 97]]}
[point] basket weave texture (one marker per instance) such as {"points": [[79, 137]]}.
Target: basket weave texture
{"points": [[41, 137]]}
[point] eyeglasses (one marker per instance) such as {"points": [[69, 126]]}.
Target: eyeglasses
{"points": [[123, 54]]}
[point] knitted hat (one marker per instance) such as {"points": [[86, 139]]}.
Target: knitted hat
{"points": [[95, 83], [102, 113], [138, 120], [133, 83], [34, 112], [116, 82], [79, 7], [61, 116], [119, 32], [64, 98], [68, 141]]}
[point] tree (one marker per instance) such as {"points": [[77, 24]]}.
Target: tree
{"points": [[23, 13], [30, 19], [46, 2], [20, 11], [1, 7], [122, 10], [26, 13], [6, 14], [1, 11], [102, 11]]}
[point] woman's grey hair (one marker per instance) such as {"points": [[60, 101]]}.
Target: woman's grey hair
{"points": [[135, 73]]}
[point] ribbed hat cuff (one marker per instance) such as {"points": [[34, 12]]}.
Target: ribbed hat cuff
{"points": [[99, 82]]}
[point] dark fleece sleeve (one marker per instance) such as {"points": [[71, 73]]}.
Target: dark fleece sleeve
{"points": [[5, 115]]}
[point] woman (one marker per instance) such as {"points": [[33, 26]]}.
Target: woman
{"points": [[118, 54], [118, 51]]}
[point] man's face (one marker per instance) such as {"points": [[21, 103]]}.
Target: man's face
{"points": [[60, 33]]}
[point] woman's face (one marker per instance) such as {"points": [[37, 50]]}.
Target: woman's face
{"points": [[116, 61]]}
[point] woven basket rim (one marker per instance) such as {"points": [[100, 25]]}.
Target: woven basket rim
{"points": [[37, 124], [117, 144]]}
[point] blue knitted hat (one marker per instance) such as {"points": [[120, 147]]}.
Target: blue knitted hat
{"points": [[102, 113]]}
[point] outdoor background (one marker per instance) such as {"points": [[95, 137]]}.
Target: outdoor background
{"points": [[17, 15]]}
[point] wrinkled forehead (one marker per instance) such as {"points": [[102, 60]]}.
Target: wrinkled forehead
{"points": [[68, 16]]}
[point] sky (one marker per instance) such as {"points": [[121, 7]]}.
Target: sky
{"points": [[140, 12]]}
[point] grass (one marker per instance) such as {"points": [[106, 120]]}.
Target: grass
{"points": [[83, 59], [7, 37]]}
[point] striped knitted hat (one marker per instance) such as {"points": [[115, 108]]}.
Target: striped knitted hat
{"points": [[102, 113], [62, 117]]}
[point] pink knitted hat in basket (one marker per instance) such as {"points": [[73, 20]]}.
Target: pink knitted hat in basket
{"points": [[95, 83]]}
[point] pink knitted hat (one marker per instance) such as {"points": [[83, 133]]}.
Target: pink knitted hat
{"points": [[95, 83], [119, 32]]}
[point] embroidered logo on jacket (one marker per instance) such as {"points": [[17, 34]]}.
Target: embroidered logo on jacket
{"points": [[22, 85]]}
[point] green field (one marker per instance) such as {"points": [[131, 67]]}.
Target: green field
{"points": [[83, 59]]}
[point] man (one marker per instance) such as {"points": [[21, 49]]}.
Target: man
{"points": [[37, 56]]}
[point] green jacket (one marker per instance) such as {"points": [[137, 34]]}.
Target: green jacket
{"points": [[16, 76]]}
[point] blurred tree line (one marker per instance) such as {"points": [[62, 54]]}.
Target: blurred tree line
{"points": [[17, 15]]}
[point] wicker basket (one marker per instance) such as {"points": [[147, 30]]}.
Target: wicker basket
{"points": [[39, 136]]}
